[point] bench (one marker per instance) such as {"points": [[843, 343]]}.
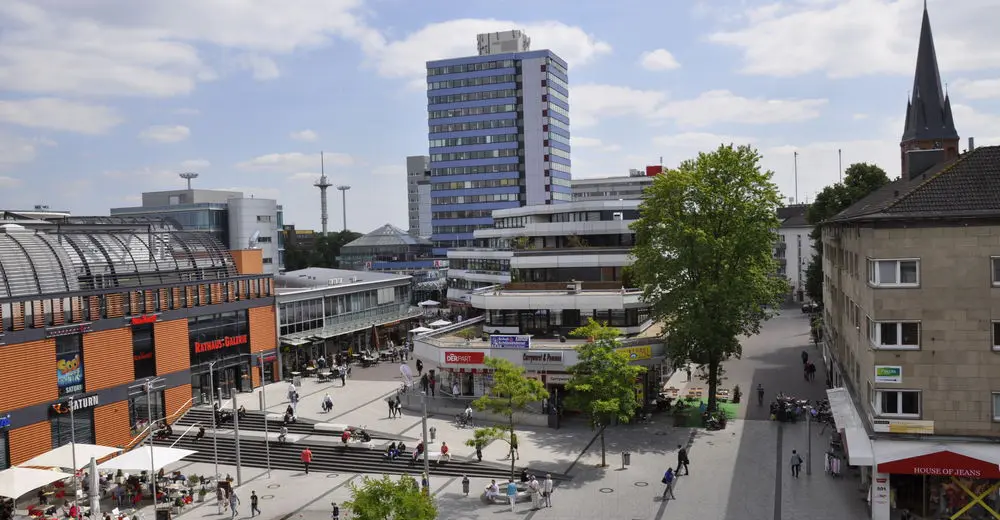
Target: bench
{"points": [[275, 417], [330, 427], [437, 456]]}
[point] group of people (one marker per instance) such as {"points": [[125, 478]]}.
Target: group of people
{"points": [[808, 367], [670, 476], [540, 492]]}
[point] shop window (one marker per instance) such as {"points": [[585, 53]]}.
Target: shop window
{"points": [[4, 450], [897, 403], [143, 351], [82, 422], [140, 410], [69, 364]]}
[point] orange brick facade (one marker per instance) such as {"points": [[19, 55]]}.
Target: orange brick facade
{"points": [[177, 400], [111, 424], [30, 441], [107, 359], [263, 335], [172, 348], [37, 360]]}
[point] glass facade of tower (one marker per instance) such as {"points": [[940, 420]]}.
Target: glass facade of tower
{"points": [[498, 138]]}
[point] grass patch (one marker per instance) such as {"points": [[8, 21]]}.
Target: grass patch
{"points": [[692, 416]]}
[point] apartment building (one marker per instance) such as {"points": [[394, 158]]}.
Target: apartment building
{"points": [[794, 249], [912, 318], [622, 187]]}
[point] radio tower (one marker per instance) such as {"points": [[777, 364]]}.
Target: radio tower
{"points": [[188, 176], [323, 184]]}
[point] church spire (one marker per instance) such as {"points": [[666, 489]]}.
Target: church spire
{"points": [[928, 113]]}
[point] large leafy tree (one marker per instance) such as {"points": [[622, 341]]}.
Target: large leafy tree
{"points": [[388, 499], [511, 393], [860, 180], [324, 253], [602, 382], [704, 256]]}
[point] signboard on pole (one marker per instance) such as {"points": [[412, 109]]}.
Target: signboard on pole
{"points": [[522, 341]]}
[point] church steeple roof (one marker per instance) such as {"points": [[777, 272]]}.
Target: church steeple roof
{"points": [[928, 112]]}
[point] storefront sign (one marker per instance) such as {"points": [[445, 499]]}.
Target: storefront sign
{"points": [[637, 353], [888, 374], [145, 320], [942, 464], [4, 422], [880, 497], [80, 403], [557, 379], [464, 358], [67, 330], [69, 373], [542, 357], [903, 426], [510, 341], [218, 344], [142, 356]]}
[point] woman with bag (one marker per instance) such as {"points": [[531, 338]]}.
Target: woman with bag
{"points": [[668, 481]]}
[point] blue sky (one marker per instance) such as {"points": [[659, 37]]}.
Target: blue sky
{"points": [[103, 99]]}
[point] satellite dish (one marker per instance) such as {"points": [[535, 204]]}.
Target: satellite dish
{"points": [[253, 239]]}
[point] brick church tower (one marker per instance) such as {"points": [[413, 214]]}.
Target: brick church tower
{"points": [[930, 129]]}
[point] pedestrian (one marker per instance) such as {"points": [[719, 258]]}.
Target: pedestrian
{"points": [[668, 481], [547, 489], [420, 368], [687, 370], [479, 450], [220, 499], [233, 502], [796, 464], [307, 457], [512, 495], [682, 460], [335, 514], [536, 493], [432, 383], [392, 407], [760, 394], [399, 407], [291, 391], [513, 446], [343, 375], [254, 510], [805, 357]]}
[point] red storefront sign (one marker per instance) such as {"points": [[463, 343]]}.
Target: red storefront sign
{"points": [[144, 320], [943, 464], [228, 341], [464, 358]]}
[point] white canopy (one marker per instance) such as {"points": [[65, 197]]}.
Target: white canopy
{"points": [[16, 482], [418, 330], [138, 458], [440, 323], [429, 303], [62, 457]]}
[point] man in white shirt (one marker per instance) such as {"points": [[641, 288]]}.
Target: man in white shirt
{"points": [[547, 490]]}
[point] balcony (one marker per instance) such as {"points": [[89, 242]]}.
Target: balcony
{"points": [[340, 325]]}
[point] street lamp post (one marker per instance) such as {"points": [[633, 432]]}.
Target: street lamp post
{"points": [[72, 444], [149, 420], [809, 441], [427, 464], [215, 434], [343, 198], [263, 406], [236, 435]]}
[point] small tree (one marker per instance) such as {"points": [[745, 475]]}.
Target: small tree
{"points": [[602, 384], [511, 393], [468, 334], [388, 499]]}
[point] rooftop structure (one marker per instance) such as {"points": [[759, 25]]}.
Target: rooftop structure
{"points": [[323, 277], [388, 248], [612, 188]]}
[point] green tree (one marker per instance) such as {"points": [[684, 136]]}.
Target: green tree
{"points": [[324, 253], [860, 180], [510, 394], [602, 382], [704, 256], [388, 499]]}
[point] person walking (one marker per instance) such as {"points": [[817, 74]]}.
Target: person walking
{"points": [[760, 394], [668, 481], [220, 499], [420, 368], [233, 502], [479, 450], [392, 408], [513, 446], [512, 495], [796, 462], [335, 514], [536, 493], [682, 460], [254, 510], [307, 457], [547, 490], [343, 375]]}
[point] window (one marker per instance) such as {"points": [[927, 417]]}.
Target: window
{"points": [[897, 403], [69, 364], [143, 351], [140, 411], [82, 424], [894, 273], [263, 218], [996, 406], [996, 335], [894, 334], [995, 263]]}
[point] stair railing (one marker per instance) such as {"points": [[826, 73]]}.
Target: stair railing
{"points": [[141, 436], [189, 428]]}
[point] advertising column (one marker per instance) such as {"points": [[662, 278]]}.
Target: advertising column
{"points": [[880, 497]]}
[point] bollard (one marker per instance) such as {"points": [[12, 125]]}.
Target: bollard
{"points": [[465, 485], [626, 458], [433, 433]]}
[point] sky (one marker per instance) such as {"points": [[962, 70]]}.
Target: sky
{"points": [[101, 100]]}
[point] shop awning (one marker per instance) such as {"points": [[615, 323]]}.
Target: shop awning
{"points": [[429, 303], [441, 323], [859, 445], [418, 330], [959, 459], [17, 482], [62, 457], [139, 458]]}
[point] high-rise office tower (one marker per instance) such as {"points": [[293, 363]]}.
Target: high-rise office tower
{"points": [[418, 195], [498, 135]]}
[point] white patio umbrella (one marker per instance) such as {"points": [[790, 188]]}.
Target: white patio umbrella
{"points": [[62, 457], [429, 303], [440, 323], [17, 482], [95, 483], [418, 330], [139, 458]]}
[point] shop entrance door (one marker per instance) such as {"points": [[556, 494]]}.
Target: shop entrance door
{"points": [[228, 379]]}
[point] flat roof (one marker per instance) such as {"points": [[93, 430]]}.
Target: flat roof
{"points": [[324, 277], [567, 207]]}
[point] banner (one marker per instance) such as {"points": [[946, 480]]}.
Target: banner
{"points": [[69, 373]]}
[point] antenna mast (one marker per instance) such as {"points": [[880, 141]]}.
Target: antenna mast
{"points": [[323, 184]]}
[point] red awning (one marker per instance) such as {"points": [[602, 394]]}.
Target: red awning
{"points": [[942, 463]]}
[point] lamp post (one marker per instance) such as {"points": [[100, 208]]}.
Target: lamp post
{"points": [[72, 444], [263, 406], [809, 441], [215, 434], [343, 197], [427, 464], [236, 436], [149, 420]]}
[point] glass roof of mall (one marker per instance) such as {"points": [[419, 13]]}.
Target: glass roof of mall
{"points": [[84, 253]]}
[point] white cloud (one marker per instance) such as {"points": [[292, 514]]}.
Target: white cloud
{"points": [[406, 58], [195, 164], [165, 133], [18, 150], [660, 59], [859, 116], [187, 112], [699, 141], [294, 162], [722, 106], [9, 182], [862, 37], [59, 114], [977, 89], [151, 48], [388, 170], [262, 67], [304, 135], [593, 143], [591, 102]]}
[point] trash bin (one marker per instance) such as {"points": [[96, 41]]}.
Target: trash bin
{"points": [[434, 432], [626, 458]]}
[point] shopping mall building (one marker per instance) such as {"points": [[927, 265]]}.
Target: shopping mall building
{"points": [[115, 303]]}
